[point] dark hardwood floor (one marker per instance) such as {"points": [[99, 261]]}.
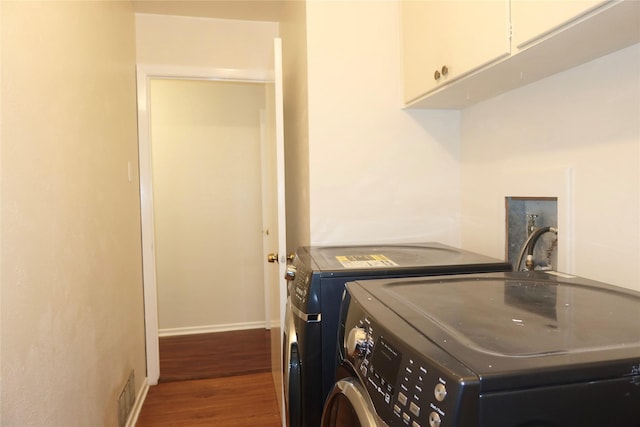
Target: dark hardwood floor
{"points": [[219, 354], [221, 379]]}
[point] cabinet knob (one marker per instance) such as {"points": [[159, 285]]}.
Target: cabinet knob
{"points": [[445, 70], [436, 75]]}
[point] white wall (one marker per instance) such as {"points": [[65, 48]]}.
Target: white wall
{"points": [[293, 30], [377, 173], [72, 311], [205, 138], [585, 122]]}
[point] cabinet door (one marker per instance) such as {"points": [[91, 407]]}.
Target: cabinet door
{"points": [[533, 19], [459, 35]]}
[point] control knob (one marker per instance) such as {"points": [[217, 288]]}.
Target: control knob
{"points": [[290, 273], [357, 343], [434, 419], [440, 392]]}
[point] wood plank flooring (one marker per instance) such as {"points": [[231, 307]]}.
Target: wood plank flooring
{"points": [[234, 386], [213, 355], [241, 400]]}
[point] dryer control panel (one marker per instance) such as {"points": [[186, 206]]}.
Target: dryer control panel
{"points": [[298, 282], [411, 382]]}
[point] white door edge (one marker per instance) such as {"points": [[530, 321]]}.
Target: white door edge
{"points": [[280, 171], [265, 227]]}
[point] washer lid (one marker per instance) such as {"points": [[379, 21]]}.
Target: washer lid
{"points": [[506, 325], [384, 257]]}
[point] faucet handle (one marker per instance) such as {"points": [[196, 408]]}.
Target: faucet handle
{"points": [[531, 223]]}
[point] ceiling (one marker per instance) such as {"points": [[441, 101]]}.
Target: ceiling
{"points": [[247, 10]]}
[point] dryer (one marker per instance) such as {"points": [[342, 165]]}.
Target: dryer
{"points": [[527, 349], [316, 280]]}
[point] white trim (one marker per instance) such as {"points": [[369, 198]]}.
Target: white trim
{"points": [[198, 73], [137, 406], [146, 219], [169, 332], [145, 72]]}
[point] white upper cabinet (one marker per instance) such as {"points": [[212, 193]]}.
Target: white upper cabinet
{"points": [[444, 40], [457, 53], [534, 19]]}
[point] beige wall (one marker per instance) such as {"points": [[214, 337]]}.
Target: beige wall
{"points": [[585, 121], [205, 42], [205, 138], [72, 314], [377, 173]]}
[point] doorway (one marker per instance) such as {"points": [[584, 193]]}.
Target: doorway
{"points": [[206, 178], [265, 79]]}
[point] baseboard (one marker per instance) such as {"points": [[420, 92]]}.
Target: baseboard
{"points": [[169, 332], [137, 406]]}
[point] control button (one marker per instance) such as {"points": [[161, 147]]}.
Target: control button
{"points": [[406, 417], [415, 409], [402, 398], [440, 392], [415, 424], [396, 409], [434, 420]]}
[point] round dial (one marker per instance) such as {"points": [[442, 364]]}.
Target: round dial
{"points": [[290, 274], [357, 343]]}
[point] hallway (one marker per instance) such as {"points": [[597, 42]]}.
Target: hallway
{"points": [[219, 379]]}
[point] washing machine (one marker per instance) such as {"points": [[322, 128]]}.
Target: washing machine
{"points": [[527, 349], [316, 279]]}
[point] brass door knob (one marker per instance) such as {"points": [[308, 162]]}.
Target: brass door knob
{"points": [[445, 70], [436, 75], [272, 257]]}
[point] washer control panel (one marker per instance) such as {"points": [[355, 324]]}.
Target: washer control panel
{"points": [[409, 389], [408, 378]]}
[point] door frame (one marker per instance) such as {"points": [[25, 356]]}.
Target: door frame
{"points": [[150, 292]]}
